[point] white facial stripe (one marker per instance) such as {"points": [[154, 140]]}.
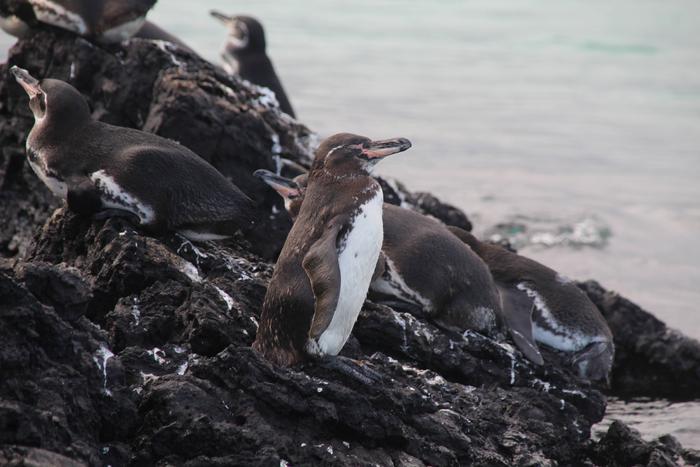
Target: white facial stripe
{"points": [[334, 149], [238, 37]]}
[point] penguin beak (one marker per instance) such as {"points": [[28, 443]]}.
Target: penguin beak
{"points": [[221, 17], [286, 188], [383, 148], [27, 81]]}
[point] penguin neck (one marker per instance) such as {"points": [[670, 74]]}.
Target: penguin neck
{"points": [[246, 53], [53, 129], [468, 238]]}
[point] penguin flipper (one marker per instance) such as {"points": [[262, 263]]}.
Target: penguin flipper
{"points": [[380, 268], [322, 268], [83, 197], [517, 312]]}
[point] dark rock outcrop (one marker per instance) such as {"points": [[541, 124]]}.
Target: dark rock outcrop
{"points": [[157, 352], [123, 349], [651, 360], [622, 446]]}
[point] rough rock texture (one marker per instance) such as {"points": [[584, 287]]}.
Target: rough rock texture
{"points": [[651, 360], [622, 446], [123, 349]]}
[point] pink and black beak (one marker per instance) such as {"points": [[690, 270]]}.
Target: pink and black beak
{"points": [[379, 149], [287, 189], [27, 81]]}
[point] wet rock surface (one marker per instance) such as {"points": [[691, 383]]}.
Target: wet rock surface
{"points": [[622, 446], [651, 360], [124, 349]]}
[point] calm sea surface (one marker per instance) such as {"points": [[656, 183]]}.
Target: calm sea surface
{"points": [[572, 127]]}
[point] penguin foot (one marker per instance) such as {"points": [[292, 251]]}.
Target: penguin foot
{"points": [[352, 369], [107, 213]]}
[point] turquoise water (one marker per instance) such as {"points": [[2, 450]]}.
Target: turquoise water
{"points": [[576, 123]]}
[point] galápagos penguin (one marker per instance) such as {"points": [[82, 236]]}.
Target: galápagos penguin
{"points": [[423, 265], [107, 21], [564, 318], [103, 170], [323, 273], [244, 55]]}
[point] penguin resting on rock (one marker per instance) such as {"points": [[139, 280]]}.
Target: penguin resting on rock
{"points": [[564, 318], [105, 170], [423, 265]]}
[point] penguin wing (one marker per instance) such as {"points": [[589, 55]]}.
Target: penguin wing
{"points": [[380, 268], [321, 265], [517, 312]]}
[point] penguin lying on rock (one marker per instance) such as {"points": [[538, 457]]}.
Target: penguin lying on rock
{"points": [[538, 304], [424, 266], [107, 21], [323, 273], [104, 170], [564, 318]]}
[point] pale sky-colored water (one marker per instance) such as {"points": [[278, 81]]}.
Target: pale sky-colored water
{"points": [[545, 113]]}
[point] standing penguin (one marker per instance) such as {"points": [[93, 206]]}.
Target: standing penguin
{"points": [[244, 55], [423, 265], [323, 272], [107, 170], [564, 318]]}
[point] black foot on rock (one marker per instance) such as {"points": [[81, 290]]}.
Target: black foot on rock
{"points": [[353, 369], [126, 215]]}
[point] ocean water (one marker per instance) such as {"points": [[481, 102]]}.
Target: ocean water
{"points": [[571, 127]]}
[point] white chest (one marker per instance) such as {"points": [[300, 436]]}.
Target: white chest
{"points": [[357, 261], [57, 186], [230, 64]]}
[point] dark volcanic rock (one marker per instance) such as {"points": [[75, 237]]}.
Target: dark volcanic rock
{"points": [[651, 360], [622, 446], [180, 319], [123, 349]]}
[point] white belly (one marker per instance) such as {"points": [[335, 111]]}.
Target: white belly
{"points": [[357, 261]]}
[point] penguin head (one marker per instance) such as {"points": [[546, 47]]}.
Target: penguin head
{"points": [[595, 361], [291, 191], [51, 97], [346, 152], [245, 33]]}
